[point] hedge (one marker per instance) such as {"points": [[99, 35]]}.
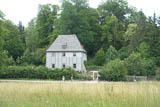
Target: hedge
{"points": [[41, 72]]}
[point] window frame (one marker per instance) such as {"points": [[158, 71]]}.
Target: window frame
{"points": [[63, 54], [53, 65], [63, 65], [53, 54], [74, 65], [74, 54]]}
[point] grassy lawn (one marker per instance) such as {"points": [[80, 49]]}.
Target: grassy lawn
{"points": [[108, 94]]}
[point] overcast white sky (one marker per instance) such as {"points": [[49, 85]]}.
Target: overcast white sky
{"points": [[25, 10]]}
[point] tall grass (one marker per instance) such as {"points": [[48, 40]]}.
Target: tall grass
{"points": [[108, 94]]}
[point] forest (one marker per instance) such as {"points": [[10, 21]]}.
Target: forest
{"points": [[117, 37]]}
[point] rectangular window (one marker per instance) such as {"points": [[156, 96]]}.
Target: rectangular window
{"points": [[74, 54], [53, 54], [64, 65], [53, 65], [63, 54], [74, 65]]}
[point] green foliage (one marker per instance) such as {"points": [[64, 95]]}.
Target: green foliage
{"points": [[133, 64], [130, 33], [3, 53], [136, 65], [111, 54], [26, 58], [3, 58], [75, 20], [45, 22], [124, 52], [138, 31], [118, 8], [1, 15], [39, 56], [41, 72], [100, 57], [21, 31], [144, 50], [95, 27], [153, 40], [89, 62], [83, 77], [10, 61], [93, 67], [36, 58], [103, 32], [158, 74], [114, 71], [111, 33], [149, 67], [38, 35], [13, 42], [31, 37]]}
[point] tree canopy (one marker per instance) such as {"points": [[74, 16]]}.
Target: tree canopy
{"points": [[113, 31]]}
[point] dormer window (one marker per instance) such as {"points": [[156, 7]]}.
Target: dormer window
{"points": [[64, 46], [63, 54]]}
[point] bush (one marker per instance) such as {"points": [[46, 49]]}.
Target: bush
{"points": [[41, 72], [83, 77], [158, 74], [149, 67], [136, 65], [114, 71]]}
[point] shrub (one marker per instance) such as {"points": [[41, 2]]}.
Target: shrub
{"points": [[149, 67], [83, 77], [136, 65], [113, 71], [133, 64], [40, 72], [158, 74]]}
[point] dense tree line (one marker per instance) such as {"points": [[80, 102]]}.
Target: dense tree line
{"points": [[113, 31]]}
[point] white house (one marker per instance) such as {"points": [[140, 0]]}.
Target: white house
{"points": [[65, 51]]}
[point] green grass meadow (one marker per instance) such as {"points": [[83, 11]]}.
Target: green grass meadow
{"points": [[67, 94]]}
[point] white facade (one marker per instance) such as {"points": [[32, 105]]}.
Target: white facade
{"points": [[66, 59], [66, 51]]}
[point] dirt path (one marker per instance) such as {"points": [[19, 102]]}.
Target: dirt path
{"points": [[50, 81]]}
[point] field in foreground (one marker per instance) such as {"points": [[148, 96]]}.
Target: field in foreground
{"points": [[107, 94]]}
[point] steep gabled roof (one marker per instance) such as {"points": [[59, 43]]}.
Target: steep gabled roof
{"points": [[66, 43]]}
